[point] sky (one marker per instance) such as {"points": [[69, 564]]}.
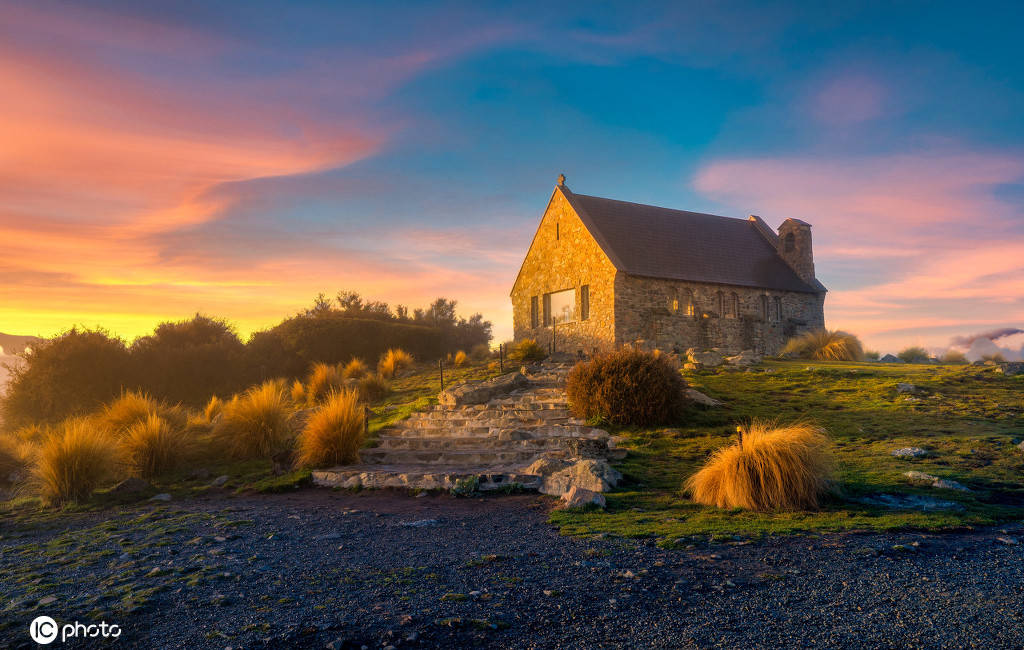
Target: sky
{"points": [[163, 159]]}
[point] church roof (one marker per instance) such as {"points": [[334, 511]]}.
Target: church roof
{"points": [[658, 242]]}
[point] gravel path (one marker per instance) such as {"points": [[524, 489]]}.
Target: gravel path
{"points": [[318, 567]]}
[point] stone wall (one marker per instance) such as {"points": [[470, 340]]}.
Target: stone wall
{"points": [[644, 312], [564, 255]]}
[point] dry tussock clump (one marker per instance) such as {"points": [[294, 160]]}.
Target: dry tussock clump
{"points": [[626, 387], [770, 468], [334, 432], [154, 447], [460, 358], [954, 357], [16, 456], [372, 388], [528, 350], [298, 393], [355, 369], [73, 462], [255, 423], [393, 361], [323, 380], [133, 407], [825, 345]]}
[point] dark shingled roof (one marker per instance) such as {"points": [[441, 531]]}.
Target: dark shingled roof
{"points": [[678, 245]]}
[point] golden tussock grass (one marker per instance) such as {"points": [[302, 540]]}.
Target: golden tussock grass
{"points": [[393, 361], [298, 392], [527, 350], [73, 462], [770, 468], [825, 345], [372, 388], [255, 424], [334, 432], [460, 358], [355, 369], [154, 447], [16, 455], [133, 406], [323, 380]]}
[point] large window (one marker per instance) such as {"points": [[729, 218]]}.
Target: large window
{"points": [[691, 308], [563, 306]]}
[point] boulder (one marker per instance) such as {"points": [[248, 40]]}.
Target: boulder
{"points": [[891, 358], [700, 398], [910, 452], [578, 497], [927, 480], [910, 389], [709, 358], [133, 485], [545, 467], [480, 392], [589, 474], [1012, 368], [744, 358], [163, 496]]}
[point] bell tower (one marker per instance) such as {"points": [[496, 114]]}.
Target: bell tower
{"points": [[795, 248]]}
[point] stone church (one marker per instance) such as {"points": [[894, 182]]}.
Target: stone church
{"points": [[601, 273]]}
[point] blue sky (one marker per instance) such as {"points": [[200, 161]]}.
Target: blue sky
{"points": [[238, 159]]}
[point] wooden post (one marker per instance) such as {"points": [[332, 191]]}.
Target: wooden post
{"points": [[366, 419], [501, 358], [440, 369]]}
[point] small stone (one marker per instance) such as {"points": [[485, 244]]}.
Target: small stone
{"points": [[474, 594], [910, 452], [412, 636], [46, 600], [421, 523], [219, 538], [405, 620], [911, 389], [163, 496], [220, 480], [1009, 541], [578, 497]]}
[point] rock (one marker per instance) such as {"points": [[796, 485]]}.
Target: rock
{"points": [[1012, 368], [589, 474], [891, 358], [220, 480], [578, 497], [1020, 446], [920, 478], [1009, 541], [421, 523], [133, 485], [909, 502], [545, 467], [480, 392], [46, 600], [909, 389], [910, 452], [163, 496], [709, 358], [700, 398], [744, 358]]}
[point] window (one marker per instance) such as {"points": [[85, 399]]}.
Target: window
{"points": [[720, 303], [547, 309], [789, 242], [534, 316], [675, 305], [734, 306], [777, 312], [561, 306], [585, 302], [690, 308]]}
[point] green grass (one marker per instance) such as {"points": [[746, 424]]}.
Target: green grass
{"points": [[968, 420]]}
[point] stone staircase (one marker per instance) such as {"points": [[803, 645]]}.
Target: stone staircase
{"points": [[493, 444]]}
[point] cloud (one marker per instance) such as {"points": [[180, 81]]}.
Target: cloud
{"points": [[849, 100]]}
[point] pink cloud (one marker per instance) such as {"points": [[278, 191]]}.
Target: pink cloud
{"points": [[849, 100]]}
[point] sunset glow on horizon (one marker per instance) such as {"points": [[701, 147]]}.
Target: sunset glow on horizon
{"points": [[161, 161]]}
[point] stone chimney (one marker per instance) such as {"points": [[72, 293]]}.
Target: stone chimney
{"points": [[794, 246]]}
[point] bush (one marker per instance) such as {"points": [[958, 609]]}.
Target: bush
{"points": [[626, 387], [824, 345], [355, 369], [334, 432], [74, 462], [872, 355], [480, 352], [134, 407], [460, 358], [528, 350], [15, 458], [256, 423], [323, 380], [393, 361], [372, 388], [770, 468], [914, 355], [68, 375], [154, 447], [997, 357], [298, 393], [954, 357]]}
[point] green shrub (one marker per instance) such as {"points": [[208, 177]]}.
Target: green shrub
{"points": [[256, 423], [528, 350], [334, 432], [824, 345], [872, 355], [914, 354], [73, 462], [954, 357], [626, 387], [480, 352]]}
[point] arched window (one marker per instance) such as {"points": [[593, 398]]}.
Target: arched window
{"points": [[720, 303], [778, 308], [789, 242], [691, 308], [734, 306]]}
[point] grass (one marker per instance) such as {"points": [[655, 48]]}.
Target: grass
{"points": [[355, 369], [824, 345], [133, 407], [334, 433], [323, 380], [372, 388], [154, 447], [74, 462], [969, 422], [769, 468], [460, 358], [255, 424], [394, 361]]}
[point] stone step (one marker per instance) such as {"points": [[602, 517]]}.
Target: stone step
{"points": [[472, 442], [482, 426], [424, 477], [456, 458], [540, 431]]}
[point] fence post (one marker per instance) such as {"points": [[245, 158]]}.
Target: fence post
{"points": [[366, 419], [501, 358], [440, 369]]}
